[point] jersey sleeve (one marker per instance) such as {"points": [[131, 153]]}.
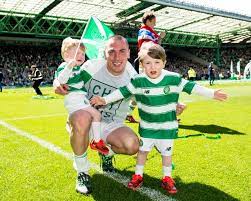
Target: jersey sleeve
{"points": [[129, 89], [113, 97], [187, 86], [59, 69], [203, 91], [85, 75], [63, 73], [122, 92]]}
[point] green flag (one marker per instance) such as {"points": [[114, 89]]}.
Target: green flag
{"points": [[95, 35]]}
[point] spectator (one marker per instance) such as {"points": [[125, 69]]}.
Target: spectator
{"points": [[191, 74], [1, 79], [37, 78], [147, 33], [211, 73]]}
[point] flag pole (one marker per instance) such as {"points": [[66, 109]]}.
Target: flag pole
{"points": [[81, 38]]}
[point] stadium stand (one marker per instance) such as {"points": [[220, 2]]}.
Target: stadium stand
{"points": [[32, 33]]}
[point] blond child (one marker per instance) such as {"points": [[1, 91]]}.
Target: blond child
{"points": [[70, 73], [156, 92]]}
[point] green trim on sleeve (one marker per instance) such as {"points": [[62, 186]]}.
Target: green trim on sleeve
{"points": [[189, 87], [59, 69], [125, 92]]}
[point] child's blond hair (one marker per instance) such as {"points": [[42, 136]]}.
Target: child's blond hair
{"points": [[153, 50], [70, 43]]}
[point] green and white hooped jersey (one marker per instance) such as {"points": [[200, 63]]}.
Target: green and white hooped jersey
{"points": [[157, 100], [75, 78]]}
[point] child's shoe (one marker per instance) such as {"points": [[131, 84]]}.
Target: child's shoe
{"points": [[168, 184], [136, 182], [100, 146]]}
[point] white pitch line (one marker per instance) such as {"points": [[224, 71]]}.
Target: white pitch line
{"points": [[151, 193], [37, 117]]}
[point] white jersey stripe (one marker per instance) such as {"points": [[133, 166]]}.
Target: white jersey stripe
{"points": [[157, 91], [157, 109], [131, 88], [78, 85], [159, 126]]}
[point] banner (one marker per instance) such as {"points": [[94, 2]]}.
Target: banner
{"points": [[232, 69], [95, 35], [247, 71], [238, 67]]}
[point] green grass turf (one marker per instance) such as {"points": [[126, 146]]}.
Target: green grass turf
{"points": [[205, 169]]}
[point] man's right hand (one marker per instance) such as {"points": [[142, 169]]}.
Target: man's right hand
{"points": [[61, 89]]}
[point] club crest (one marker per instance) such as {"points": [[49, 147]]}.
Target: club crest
{"points": [[166, 90]]}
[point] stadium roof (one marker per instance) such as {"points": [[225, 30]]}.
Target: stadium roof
{"points": [[172, 15]]}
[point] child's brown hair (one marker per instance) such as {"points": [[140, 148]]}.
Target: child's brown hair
{"points": [[153, 50], [148, 15]]}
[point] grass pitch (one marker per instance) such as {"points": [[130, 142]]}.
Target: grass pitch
{"points": [[205, 169]]}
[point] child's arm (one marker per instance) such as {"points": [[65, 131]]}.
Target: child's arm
{"points": [[113, 97], [122, 92], [64, 75], [215, 94]]}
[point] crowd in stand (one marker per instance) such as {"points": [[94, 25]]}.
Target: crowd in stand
{"points": [[227, 55], [182, 65], [15, 62]]}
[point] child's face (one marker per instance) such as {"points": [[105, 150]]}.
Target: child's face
{"points": [[152, 67], [70, 54], [152, 23]]}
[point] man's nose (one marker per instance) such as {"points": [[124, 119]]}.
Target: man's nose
{"points": [[116, 55]]}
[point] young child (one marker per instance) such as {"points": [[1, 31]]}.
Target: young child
{"points": [[70, 72], [156, 92]]}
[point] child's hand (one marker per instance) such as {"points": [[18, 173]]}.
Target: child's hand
{"points": [[219, 95], [180, 108], [97, 100], [71, 63], [162, 34]]}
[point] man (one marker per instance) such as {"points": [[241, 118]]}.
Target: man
{"points": [[37, 78], [108, 75], [1, 79], [191, 74], [211, 73]]}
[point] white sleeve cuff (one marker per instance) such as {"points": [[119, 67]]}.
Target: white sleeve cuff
{"points": [[113, 97], [56, 83], [64, 75], [203, 91]]}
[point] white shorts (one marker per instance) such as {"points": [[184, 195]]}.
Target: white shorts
{"points": [[164, 146], [106, 129], [75, 101]]}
